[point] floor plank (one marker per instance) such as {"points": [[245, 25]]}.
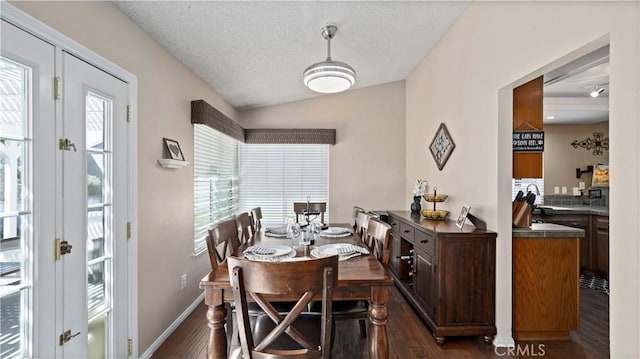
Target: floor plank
{"points": [[409, 337]]}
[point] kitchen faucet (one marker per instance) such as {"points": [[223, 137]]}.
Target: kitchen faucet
{"points": [[536, 187]]}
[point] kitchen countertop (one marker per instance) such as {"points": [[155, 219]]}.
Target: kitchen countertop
{"points": [[548, 230], [578, 209]]}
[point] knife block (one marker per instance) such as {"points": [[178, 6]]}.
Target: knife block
{"points": [[521, 214]]}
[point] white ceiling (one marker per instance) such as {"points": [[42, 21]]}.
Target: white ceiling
{"points": [[253, 53], [567, 89]]}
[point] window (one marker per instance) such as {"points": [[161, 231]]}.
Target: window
{"points": [[520, 184], [273, 176], [215, 193]]}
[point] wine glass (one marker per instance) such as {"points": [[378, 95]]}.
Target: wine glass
{"points": [[308, 236], [290, 223], [295, 232]]}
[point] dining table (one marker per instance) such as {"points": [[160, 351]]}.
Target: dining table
{"points": [[359, 278]]}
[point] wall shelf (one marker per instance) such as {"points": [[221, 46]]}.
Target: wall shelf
{"points": [[169, 163]]}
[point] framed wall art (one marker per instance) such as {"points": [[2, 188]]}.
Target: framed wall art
{"points": [[600, 175], [441, 146], [174, 149]]}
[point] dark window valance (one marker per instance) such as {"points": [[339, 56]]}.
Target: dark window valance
{"points": [[203, 113], [294, 135]]}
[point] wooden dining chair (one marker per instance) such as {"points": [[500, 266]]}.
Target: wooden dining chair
{"points": [[354, 216], [300, 207], [362, 225], [379, 233], [298, 334], [256, 219], [222, 241], [246, 227]]}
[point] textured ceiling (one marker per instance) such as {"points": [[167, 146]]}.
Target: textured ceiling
{"points": [[253, 53]]}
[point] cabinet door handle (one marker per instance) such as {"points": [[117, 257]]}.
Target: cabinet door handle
{"points": [[407, 231], [424, 241]]}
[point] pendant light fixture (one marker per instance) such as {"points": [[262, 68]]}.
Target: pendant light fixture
{"points": [[329, 76]]}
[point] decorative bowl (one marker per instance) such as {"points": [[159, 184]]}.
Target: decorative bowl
{"points": [[435, 198], [437, 214]]}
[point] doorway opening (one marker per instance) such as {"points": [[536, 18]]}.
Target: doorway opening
{"points": [[571, 172]]}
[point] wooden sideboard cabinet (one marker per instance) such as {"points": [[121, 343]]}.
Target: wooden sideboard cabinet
{"points": [[447, 274]]}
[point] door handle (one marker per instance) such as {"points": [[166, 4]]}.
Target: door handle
{"points": [[66, 336], [65, 144]]}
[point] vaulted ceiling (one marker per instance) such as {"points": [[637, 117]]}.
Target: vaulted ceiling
{"points": [[253, 53]]}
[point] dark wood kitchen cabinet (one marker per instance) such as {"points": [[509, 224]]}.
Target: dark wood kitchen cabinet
{"points": [[447, 274], [600, 237]]}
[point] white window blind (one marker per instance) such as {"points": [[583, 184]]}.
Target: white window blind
{"points": [[273, 176], [215, 195], [520, 184]]}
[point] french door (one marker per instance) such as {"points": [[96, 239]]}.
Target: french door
{"points": [[64, 190]]}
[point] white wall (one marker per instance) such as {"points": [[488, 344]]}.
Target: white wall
{"points": [[466, 82], [561, 159], [367, 162], [165, 197]]}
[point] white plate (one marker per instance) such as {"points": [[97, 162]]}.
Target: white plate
{"points": [[336, 230], [281, 250], [332, 249]]}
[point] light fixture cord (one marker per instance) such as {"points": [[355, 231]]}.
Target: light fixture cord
{"points": [[328, 48]]}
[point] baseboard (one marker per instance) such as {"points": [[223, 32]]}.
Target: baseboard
{"points": [[504, 342], [156, 344]]}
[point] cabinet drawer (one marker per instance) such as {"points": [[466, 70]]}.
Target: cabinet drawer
{"points": [[406, 231], [601, 223], [425, 241], [395, 225]]}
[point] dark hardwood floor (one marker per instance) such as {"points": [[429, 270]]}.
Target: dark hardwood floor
{"points": [[410, 338]]}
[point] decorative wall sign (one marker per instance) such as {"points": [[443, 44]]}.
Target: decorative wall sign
{"points": [[598, 143], [528, 141], [441, 146], [174, 149]]}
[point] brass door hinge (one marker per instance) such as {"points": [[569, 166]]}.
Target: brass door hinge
{"points": [[128, 113], [129, 347], [128, 230], [61, 248], [57, 88]]}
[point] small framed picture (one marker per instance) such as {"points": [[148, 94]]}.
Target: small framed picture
{"points": [[463, 216], [600, 175], [174, 149]]}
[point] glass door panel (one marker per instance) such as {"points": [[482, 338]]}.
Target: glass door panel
{"points": [[16, 237], [98, 120]]}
